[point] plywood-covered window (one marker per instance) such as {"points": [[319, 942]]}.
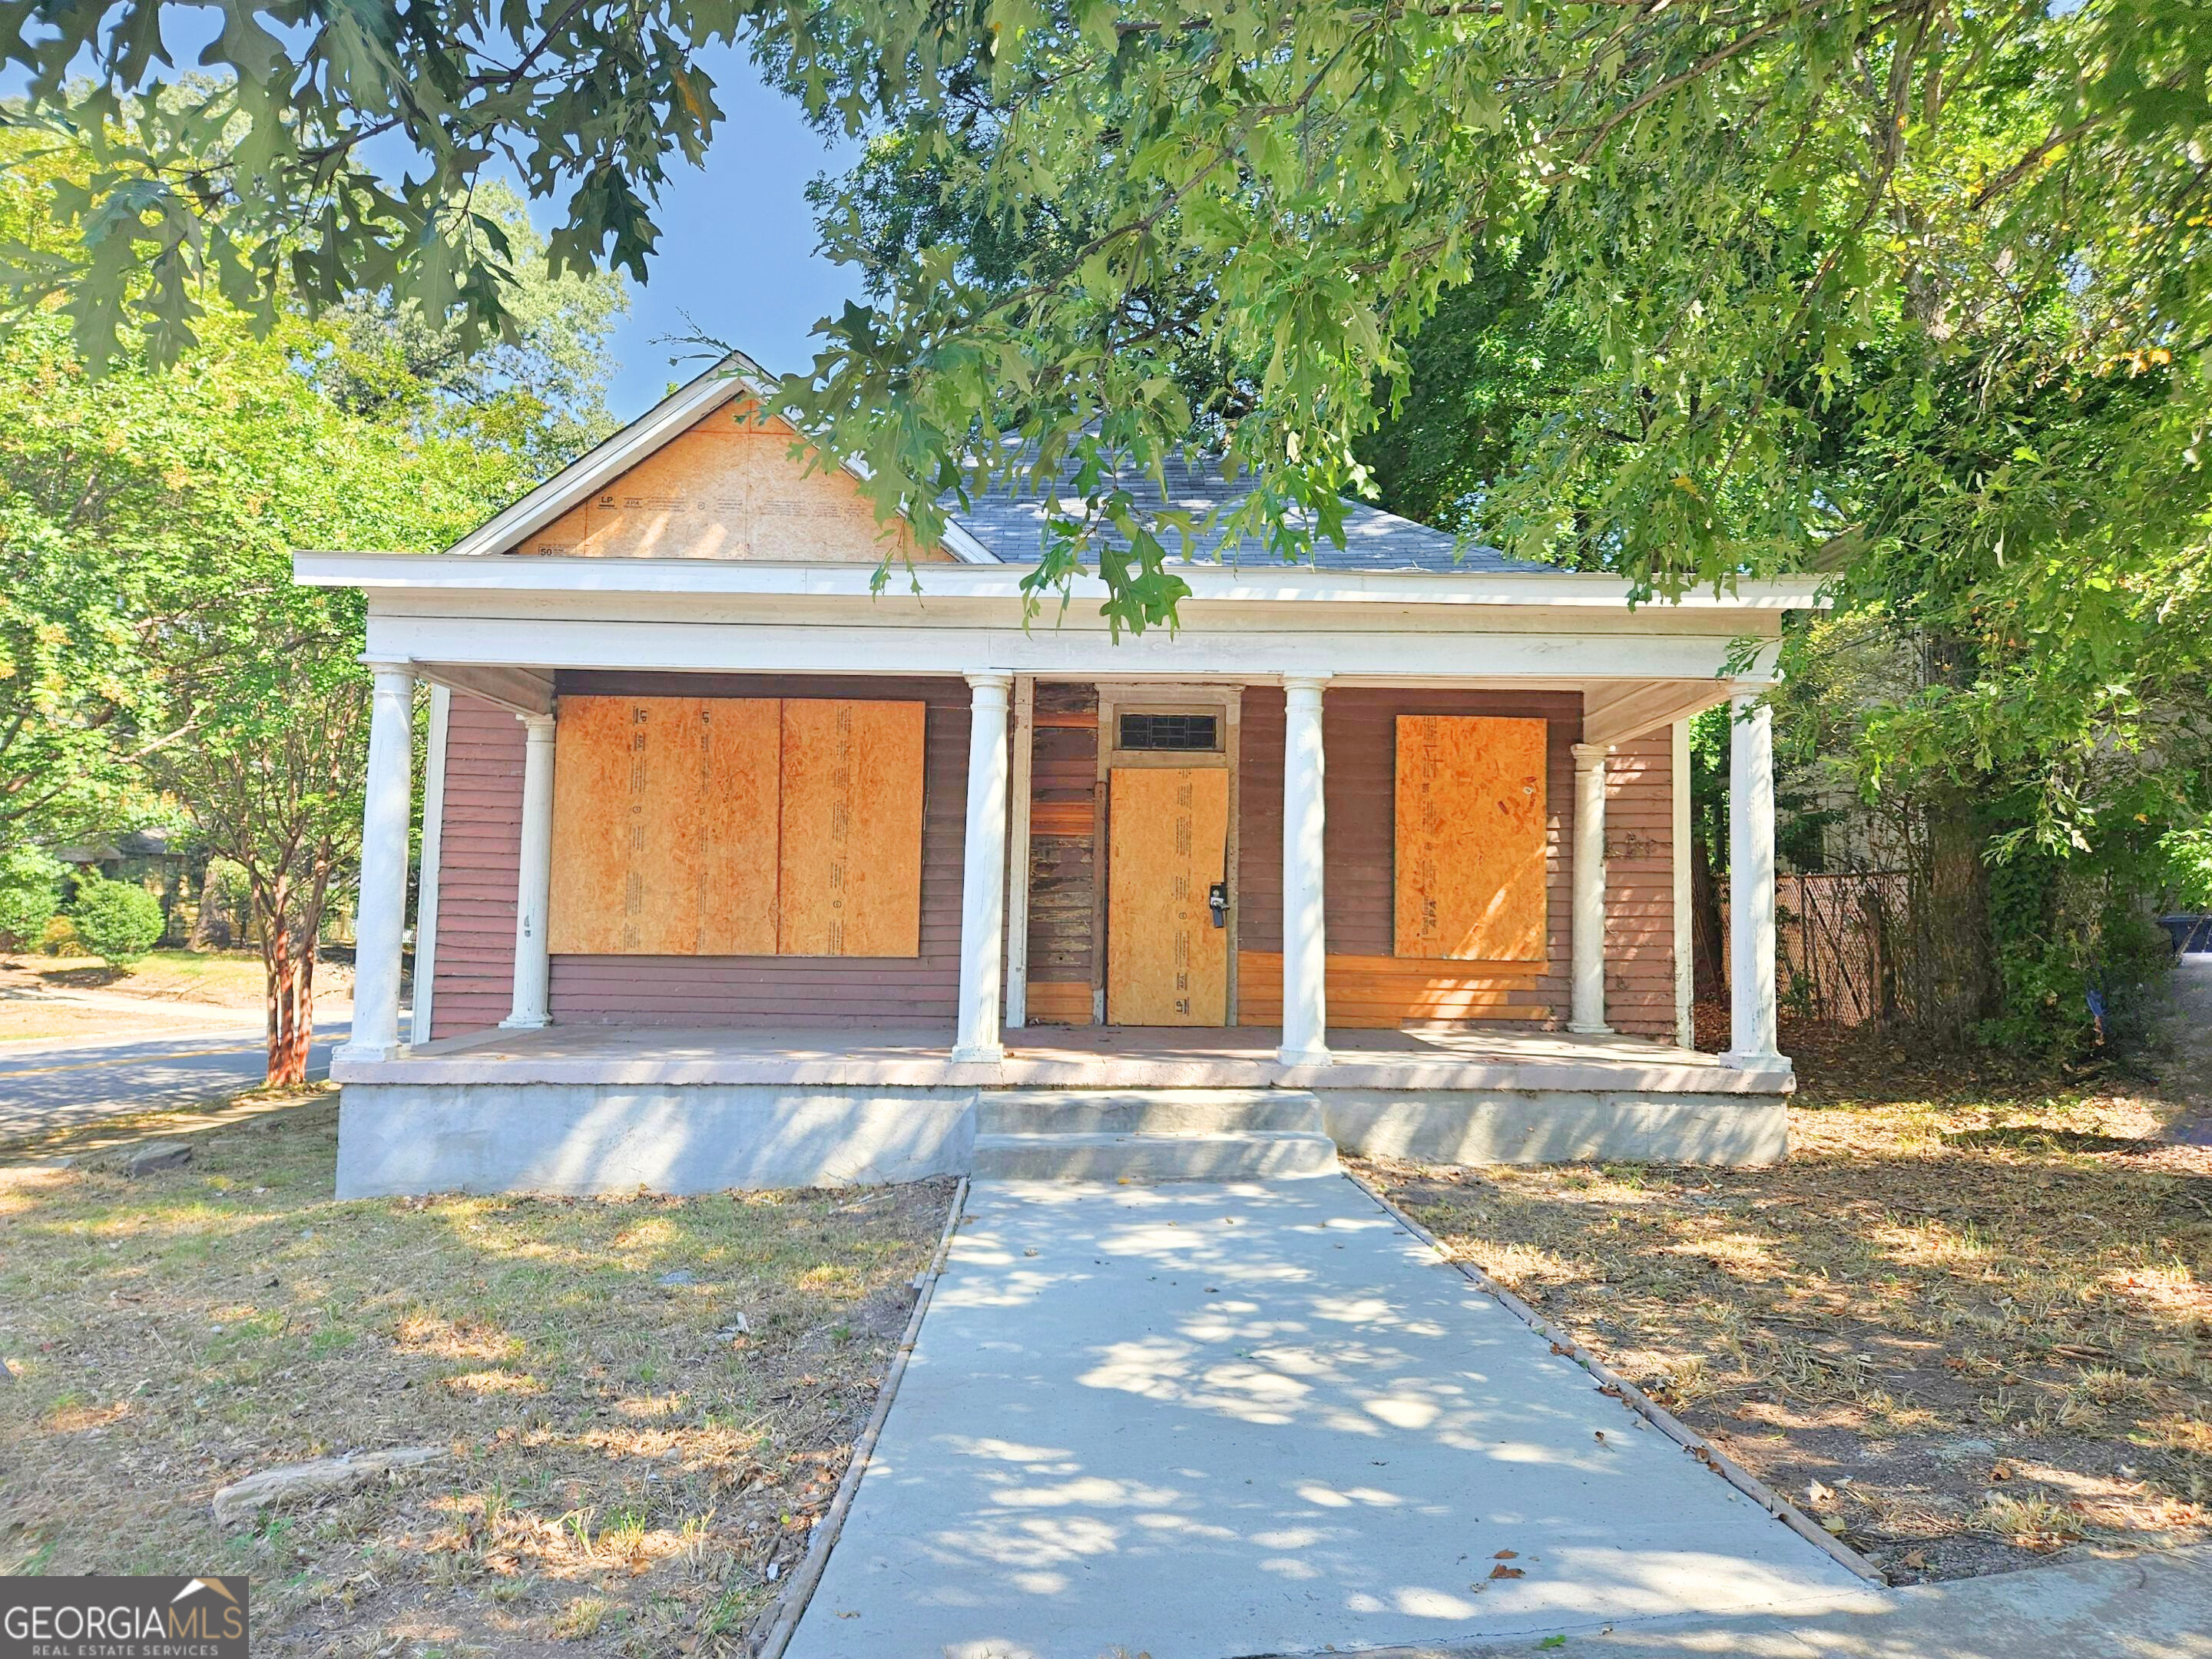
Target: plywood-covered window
{"points": [[737, 826], [1469, 871]]}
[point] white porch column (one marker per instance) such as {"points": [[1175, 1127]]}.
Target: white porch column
{"points": [[533, 883], [1305, 941], [380, 924], [1586, 983], [1751, 882], [983, 871]]}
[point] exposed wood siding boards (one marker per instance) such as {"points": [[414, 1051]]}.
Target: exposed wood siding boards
{"points": [[1386, 992], [1469, 848], [1639, 886], [479, 857], [1063, 844], [811, 992], [1359, 729]]}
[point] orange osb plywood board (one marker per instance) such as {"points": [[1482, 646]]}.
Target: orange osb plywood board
{"points": [[727, 488], [1383, 992], [1166, 962], [665, 826], [851, 878], [1469, 878]]}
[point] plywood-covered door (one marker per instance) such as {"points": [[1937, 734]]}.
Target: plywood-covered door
{"points": [[1168, 832]]}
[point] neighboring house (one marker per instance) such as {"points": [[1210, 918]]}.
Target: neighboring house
{"points": [[735, 872]]}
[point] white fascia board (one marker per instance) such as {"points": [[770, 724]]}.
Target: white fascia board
{"points": [[1248, 651], [611, 457], [450, 574]]}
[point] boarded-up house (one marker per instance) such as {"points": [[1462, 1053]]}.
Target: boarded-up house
{"points": [[735, 872]]}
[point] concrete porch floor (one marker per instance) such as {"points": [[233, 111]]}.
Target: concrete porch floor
{"points": [[1086, 1057]]}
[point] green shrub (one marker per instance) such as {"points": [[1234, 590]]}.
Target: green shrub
{"points": [[119, 922], [30, 893], [61, 940]]}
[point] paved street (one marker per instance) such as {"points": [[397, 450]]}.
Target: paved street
{"points": [[56, 1085]]}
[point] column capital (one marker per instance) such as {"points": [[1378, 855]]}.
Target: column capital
{"points": [[540, 727], [388, 668], [985, 680], [1305, 685], [1589, 756]]}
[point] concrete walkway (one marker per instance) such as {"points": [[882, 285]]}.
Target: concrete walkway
{"points": [[1200, 1421]]}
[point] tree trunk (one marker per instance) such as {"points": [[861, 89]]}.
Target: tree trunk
{"points": [[1957, 988], [204, 937], [288, 961]]}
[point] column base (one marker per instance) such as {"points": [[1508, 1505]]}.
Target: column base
{"points": [[1736, 1059], [977, 1054], [521, 1022], [1590, 1028], [1304, 1057], [374, 1053]]}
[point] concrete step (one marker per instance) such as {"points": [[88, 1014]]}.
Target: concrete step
{"points": [[1143, 1111], [1232, 1155]]}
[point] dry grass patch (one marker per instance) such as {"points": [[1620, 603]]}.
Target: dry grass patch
{"points": [[1975, 1326], [628, 1473]]}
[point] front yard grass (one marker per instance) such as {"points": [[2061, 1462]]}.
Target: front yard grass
{"points": [[627, 1472], [1968, 1322]]}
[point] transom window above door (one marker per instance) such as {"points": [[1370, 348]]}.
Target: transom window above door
{"points": [[1172, 731]]}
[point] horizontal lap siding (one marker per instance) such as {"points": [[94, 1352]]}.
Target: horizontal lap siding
{"points": [[1639, 886], [797, 991], [479, 852], [1063, 840], [1359, 740]]}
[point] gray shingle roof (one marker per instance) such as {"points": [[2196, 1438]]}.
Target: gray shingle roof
{"points": [[1013, 527]]}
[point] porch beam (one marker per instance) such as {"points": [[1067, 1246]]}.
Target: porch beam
{"points": [[1616, 715], [1305, 941], [533, 884], [521, 692], [379, 925], [983, 871], [1206, 648], [1586, 982], [1753, 1040]]}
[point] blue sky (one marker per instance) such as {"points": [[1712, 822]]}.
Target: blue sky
{"points": [[736, 243], [736, 246]]}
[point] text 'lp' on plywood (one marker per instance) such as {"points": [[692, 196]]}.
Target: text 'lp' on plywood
{"points": [[1166, 962], [1470, 838], [665, 824], [851, 882]]}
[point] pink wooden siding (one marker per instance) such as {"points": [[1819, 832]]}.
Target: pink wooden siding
{"points": [[1639, 887], [477, 858], [798, 991]]}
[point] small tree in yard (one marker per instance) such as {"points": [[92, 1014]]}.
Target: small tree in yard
{"points": [[273, 784], [118, 920]]}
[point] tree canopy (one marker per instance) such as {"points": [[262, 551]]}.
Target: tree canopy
{"points": [[1739, 198]]}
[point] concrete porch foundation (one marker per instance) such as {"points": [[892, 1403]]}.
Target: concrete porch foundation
{"points": [[586, 1109]]}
